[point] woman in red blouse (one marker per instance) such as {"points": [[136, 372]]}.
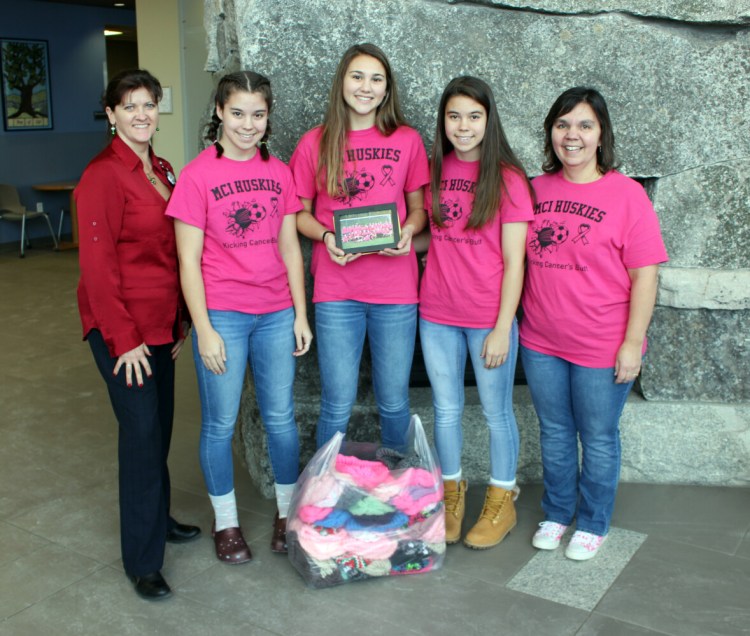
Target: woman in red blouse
{"points": [[133, 317]]}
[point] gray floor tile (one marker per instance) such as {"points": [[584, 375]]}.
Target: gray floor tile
{"points": [[24, 484], [79, 444], [707, 517], [598, 625], [105, 604], [444, 602], [262, 593], [499, 564], [530, 497], [62, 369], [36, 575], [53, 415], [580, 584], [190, 560], [744, 549], [85, 522], [682, 590], [16, 543]]}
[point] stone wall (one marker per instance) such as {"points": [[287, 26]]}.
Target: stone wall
{"points": [[675, 75]]}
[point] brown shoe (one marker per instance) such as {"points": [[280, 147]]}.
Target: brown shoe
{"points": [[454, 498], [278, 539], [498, 518], [231, 546]]}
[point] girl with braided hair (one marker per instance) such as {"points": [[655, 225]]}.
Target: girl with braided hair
{"points": [[242, 278]]}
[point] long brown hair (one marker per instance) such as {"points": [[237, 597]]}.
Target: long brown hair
{"points": [[495, 154], [388, 117]]}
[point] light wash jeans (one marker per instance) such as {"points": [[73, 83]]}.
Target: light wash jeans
{"points": [[266, 343], [445, 348]]}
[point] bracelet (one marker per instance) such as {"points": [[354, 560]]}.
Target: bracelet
{"points": [[323, 238]]}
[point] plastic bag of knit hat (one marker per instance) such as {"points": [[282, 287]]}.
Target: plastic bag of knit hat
{"points": [[362, 511]]}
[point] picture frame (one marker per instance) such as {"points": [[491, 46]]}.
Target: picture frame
{"points": [[165, 104], [367, 229], [26, 93]]}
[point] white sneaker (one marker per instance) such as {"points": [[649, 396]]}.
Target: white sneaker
{"points": [[584, 545], [548, 536]]}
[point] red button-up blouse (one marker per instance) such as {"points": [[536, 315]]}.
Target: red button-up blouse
{"points": [[129, 287]]}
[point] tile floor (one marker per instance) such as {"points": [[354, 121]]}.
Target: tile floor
{"points": [[678, 561]]}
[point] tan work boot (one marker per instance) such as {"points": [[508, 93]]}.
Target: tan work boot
{"points": [[454, 498], [498, 518]]}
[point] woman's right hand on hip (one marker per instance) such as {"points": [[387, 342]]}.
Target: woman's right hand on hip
{"points": [[135, 359]]}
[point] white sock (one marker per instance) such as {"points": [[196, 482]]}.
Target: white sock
{"points": [[283, 498], [454, 476], [505, 485], [225, 510]]}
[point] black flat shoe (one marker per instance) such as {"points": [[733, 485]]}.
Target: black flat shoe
{"points": [[151, 586], [183, 533]]}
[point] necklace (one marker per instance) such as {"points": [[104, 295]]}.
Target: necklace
{"points": [[152, 177]]}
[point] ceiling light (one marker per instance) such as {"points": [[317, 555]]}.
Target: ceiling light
{"points": [[119, 4], [108, 32]]}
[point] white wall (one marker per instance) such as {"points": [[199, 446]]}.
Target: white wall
{"points": [[172, 45]]}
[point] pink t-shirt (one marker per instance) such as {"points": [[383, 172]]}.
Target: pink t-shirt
{"points": [[378, 169], [461, 283], [583, 240], [240, 206]]}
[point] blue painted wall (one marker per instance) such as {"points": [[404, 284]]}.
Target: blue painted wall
{"points": [[77, 57]]}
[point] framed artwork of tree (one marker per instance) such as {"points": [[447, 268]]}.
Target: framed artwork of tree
{"points": [[27, 99]]}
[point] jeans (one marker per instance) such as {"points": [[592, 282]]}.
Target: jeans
{"points": [[572, 403], [445, 348], [266, 342], [340, 334]]}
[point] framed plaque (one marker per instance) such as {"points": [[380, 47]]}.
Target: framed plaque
{"points": [[367, 229], [27, 99]]}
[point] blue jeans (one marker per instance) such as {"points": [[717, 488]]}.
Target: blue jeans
{"points": [[572, 403], [340, 335], [445, 348], [266, 342]]}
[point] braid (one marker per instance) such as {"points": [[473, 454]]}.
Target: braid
{"points": [[263, 143], [212, 134]]}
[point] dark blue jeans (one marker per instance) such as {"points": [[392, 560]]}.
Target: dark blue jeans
{"points": [[572, 403], [144, 415]]}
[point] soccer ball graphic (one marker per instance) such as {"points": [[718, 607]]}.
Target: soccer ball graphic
{"points": [[364, 181], [450, 211], [560, 233], [244, 216], [256, 212], [548, 237]]}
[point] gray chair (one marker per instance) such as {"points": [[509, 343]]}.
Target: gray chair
{"points": [[12, 210]]}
